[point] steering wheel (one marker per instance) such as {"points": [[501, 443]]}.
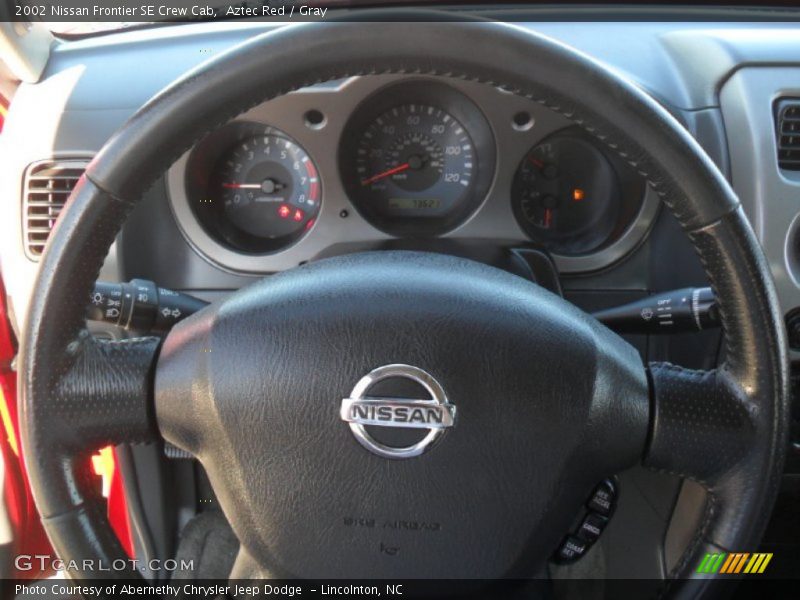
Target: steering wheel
{"points": [[549, 402]]}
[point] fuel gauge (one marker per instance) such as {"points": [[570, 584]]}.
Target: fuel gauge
{"points": [[566, 195]]}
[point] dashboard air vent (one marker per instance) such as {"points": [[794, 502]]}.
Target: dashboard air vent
{"points": [[47, 186], [788, 134]]}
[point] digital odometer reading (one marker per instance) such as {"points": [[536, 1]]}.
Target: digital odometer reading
{"points": [[414, 203], [414, 160]]}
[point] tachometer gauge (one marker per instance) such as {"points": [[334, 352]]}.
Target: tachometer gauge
{"points": [[268, 191], [412, 168]]}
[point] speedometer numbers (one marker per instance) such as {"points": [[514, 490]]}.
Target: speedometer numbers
{"points": [[410, 159], [415, 160]]}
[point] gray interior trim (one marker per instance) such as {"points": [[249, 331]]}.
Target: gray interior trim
{"points": [[770, 196], [494, 218], [25, 48]]}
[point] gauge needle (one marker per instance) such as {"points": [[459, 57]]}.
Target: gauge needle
{"points": [[392, 171], [242, 186]]}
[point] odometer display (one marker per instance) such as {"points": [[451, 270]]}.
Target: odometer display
{"points": [[414, 203], [412, 167]]}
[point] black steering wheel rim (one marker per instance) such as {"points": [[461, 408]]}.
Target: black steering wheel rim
{"points": [[62, 365]]}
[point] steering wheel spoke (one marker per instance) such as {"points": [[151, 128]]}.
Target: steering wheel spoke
{"points": [[702, 423], [105, 394]]}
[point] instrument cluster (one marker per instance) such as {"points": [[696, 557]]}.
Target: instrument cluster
{"points": [[409, 158]]}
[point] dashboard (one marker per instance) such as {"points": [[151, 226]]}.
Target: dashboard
{"points": [[534, 180], [371, 159]]}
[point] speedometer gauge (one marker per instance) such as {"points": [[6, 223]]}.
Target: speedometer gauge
{"points": [[415, 160], [412, 168]]}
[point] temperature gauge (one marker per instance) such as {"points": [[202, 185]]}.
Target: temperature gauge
{"points": [[566, 195]]}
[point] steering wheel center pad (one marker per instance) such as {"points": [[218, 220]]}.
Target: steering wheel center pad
{"points": [[254, 387]]}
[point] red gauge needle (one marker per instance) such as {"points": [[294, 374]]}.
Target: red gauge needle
{"points": [[379, 176], [242, 186]]}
